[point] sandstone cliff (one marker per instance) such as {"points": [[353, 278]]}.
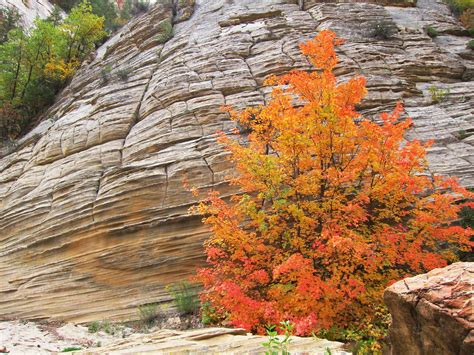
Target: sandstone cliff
{"points": [[29, 9], [93, 213]]}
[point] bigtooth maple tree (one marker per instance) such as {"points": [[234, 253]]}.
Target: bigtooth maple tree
{"points": [[334, 207]]}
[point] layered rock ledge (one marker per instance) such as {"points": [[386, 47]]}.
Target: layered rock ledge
{"points": [[92, 204]]}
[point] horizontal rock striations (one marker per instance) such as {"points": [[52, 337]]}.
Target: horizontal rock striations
{"points": [[93, 210]]}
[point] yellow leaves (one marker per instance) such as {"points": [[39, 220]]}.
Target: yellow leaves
{"points": [[58, 69]]}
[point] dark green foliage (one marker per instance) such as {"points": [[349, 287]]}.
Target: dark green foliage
{"points": [[467, 220], [432, 32], [93, 327], [470, 44], [9, 19], [123, 74], [108, 11], [382, 30], [185, 297], [126, 11], [66, 5], [70, 349], [140, 6], [166, 31], [459, 6], [55, 18], [104, 326], [12, 121]]}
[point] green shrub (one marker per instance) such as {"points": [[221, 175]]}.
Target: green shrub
{"points": [[93, 327], [105, 73], [459, 6], [185, 297], [432, 32], [104, 326], [367, 338], [275, 345], [9, 19], [470, 44], [140, 7], [382, 30], [12, 122], [208, 314], [123, 74], [150, 314], [437, 94], [166, 31]]}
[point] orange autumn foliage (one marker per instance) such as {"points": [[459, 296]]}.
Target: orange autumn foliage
{"points": [[334, 207]]}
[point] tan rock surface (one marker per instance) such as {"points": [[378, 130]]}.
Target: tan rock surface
{"points": [[211, 341], [433, 313], [28, 338], [93, 212]]}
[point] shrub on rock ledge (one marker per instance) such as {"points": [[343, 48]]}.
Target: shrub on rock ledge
{"points": [[333, 209]]}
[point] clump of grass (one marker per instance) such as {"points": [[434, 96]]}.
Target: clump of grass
{"points": [[470, 44], [432, 32], [105, 73], [462, 134], [185, 297], [93, 327], [382, 30], [437, 94], [150, 314], [70, 349], [104, 326], [123, 74], [166, 31]]}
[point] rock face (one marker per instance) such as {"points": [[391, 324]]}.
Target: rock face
{"points": [[20, 338], [29, 9], [433, 313], [212, 341], [92, 204]]}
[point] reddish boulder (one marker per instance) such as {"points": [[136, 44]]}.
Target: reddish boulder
{"points": [[433, 313]]}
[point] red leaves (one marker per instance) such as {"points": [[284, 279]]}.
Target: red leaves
{"points": [[334, 211]]}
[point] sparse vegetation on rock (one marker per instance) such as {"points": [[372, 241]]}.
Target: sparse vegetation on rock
{"points": [[185, 297], [432, 32], [382, 30], [437, 94], [150, 314], [166, 31]]}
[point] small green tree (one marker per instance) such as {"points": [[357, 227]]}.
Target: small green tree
{"points": [[81, 30], [107, 10], [9, 19]]}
